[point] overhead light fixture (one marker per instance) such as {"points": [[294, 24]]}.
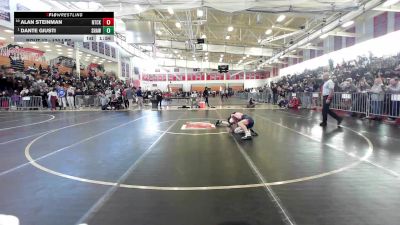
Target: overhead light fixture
{"points": [[280, 18], [60, 53], [46, 46], [158, 32], [109, 61], [20, 43], [269, 31], [12, 37], [230, 28], [96, 57], [2, 38], [70, 49], [137, 6], [222, 55], [32, 43], [175, 51], [347, 24], [58, 46], [206, 53], [200, 13], [247, 56], [57, 49], [178, 25], [8, 31], [293, 51], [244, 57], [228, 37], [206, 58], [259, 40], [203, 36], [179, 55], [390, 3], [323, 36], [35, 46], [171, 11]]}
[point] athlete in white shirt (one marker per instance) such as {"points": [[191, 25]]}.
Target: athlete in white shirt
{"points": [[327, 93]]}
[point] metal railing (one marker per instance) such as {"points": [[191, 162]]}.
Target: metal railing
{"points": [[87, 101], [369, 104], [383, 104], [5, 103], [261, 97], [178, 101], [21, 103], [308, 100]]}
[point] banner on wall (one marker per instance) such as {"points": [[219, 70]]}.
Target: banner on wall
{"points": [[5, 10], [136, 83], [25, 53]]}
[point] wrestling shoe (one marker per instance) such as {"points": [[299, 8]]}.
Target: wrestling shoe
{"points": [[253, 133], [247, 136], [339, 122]]}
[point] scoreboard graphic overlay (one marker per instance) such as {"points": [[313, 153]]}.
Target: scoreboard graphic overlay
{"points": [[64, 26]]}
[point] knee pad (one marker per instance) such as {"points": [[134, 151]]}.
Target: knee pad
{"points": [[238, 130]]}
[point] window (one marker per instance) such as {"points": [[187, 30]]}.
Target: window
{"points": [[380, 24]]}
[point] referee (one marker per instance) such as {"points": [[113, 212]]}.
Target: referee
{"points": [[327, 93]]}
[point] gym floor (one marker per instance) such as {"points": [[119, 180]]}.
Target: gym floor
{"points": [[141, 168]]}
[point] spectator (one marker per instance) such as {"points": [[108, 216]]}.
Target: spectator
{"points": [[53, 98], [139, 97], [62, 102], [15, 99], [206, 94], [70, 97], [125, 97], [377, 96], [394, 107], [159, 97]]}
